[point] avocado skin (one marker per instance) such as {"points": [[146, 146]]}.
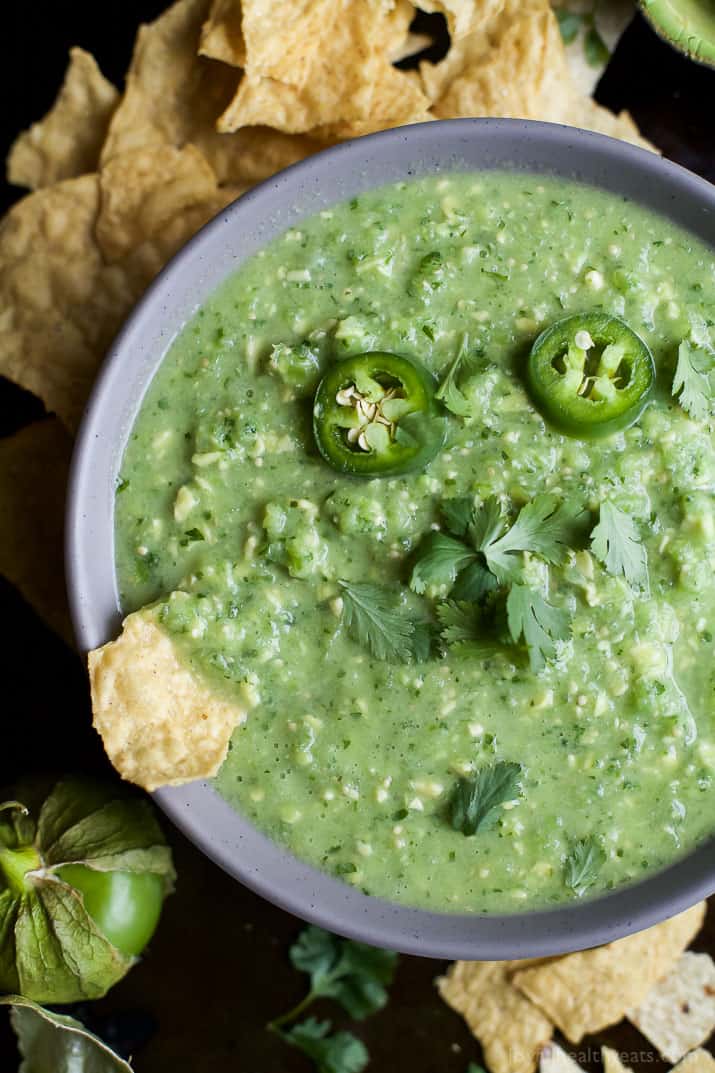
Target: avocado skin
{"points": [[687, 25]]}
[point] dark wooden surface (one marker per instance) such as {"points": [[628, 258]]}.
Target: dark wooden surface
{"points": [[218, 969]]}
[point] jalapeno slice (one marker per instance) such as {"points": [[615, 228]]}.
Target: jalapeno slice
{"points": [[375, 415], [590, 375]]}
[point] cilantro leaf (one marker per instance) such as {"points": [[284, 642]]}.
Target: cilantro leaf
{"points": [[541, 625], [615, 540], [458, 514], [570, 23], [461, 626], [441, 557], [338, 1053], [474, 799], [449, 392], [354, 974], [475, 583], [488, 523], [583, 864], [474, 1067], [692, 382], [374, 619], [595, 48], [547, 526]]}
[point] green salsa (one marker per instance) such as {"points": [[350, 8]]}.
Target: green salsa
{"points": [[254, 547]]}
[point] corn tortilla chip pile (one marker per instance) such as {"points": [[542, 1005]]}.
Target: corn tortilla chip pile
{"points": [[514, 1007], [219, 95]]}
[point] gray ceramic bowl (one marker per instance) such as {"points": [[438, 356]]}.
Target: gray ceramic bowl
{"points": [[240, 230]]}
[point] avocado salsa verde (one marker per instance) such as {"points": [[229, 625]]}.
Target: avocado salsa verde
{"points": [[369, 494]]}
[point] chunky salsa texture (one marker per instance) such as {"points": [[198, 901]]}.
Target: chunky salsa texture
{"points": [[527, 720]]}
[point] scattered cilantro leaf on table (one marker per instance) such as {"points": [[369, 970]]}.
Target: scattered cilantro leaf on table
{"points": [[354, 974], [583, 864], [474, 799], [692, 383], [530, 616], [615, 540], [339, 1052], [374, 619]]}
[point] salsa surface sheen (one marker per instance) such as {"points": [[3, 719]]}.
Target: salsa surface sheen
{"points": [[224, 501]]}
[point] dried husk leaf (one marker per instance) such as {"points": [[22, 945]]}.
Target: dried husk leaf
{"points": [[173, 97], [34, 464], [222, 34], [351, 80], [678, 1014], [159, 723], [585, 992], [510, 1028], [516, 67], [68, 141], [51, 1041]]}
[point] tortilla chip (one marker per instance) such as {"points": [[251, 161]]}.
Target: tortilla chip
{"points": [[554, 1059], [590, 990], [612, 1061], [68, 141], [173, 97], [678, 1014], [699, 1061], [61, 303], [350, 79], [222, 34], [463, 16], [510, 1028], [160, 725], [516, 67], [144, 190], [284, 37], [33, 475]]}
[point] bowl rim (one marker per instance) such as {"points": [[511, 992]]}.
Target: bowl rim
{"points": [[197, 810]]}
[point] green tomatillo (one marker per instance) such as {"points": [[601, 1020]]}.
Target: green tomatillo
{"points": [[82, 883]]}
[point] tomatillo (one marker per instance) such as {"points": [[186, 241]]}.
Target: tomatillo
{"points": [[82, 881], [125, 906], [375, 415], [590, 375]]}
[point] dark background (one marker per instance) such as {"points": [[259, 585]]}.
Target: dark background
{"points": [[217, 969]]}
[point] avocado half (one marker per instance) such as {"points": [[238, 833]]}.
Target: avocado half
{"points": [[688, 25]]}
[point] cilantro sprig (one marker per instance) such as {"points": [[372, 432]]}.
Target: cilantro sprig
{"points": [[480, 557], [474, 799], [583, 864], [375, 619], [338, 1052], [615, 540], [355, 975], [693, 380], [449, 392]]}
